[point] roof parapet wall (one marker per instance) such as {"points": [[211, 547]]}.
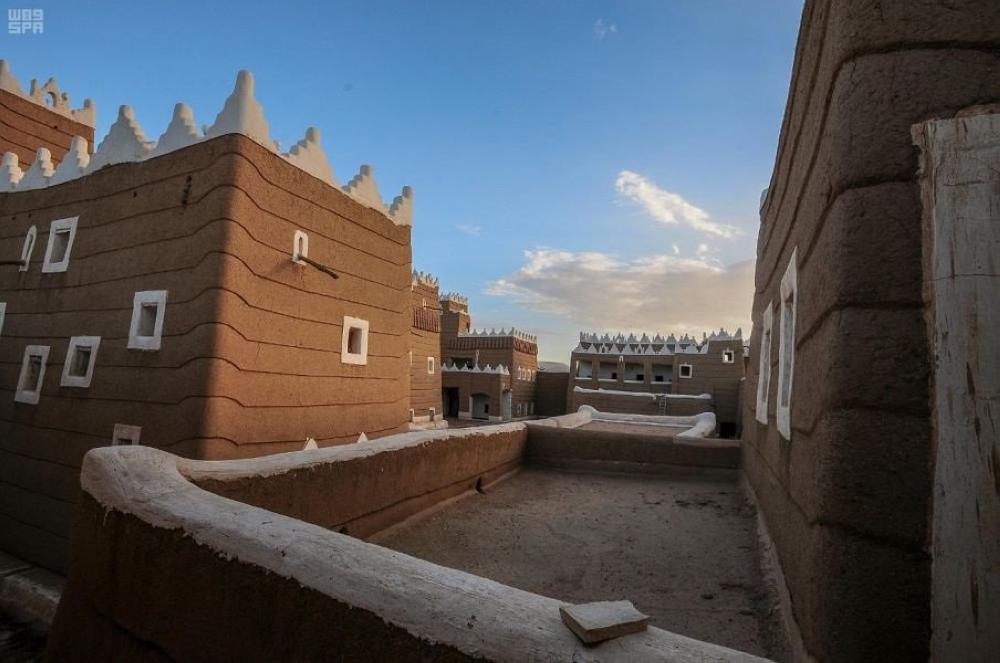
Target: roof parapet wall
{"points": [[516, 333], [241, 113], [48, 95], [619, 344]]}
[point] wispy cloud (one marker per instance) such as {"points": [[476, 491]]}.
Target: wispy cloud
{"points": [[667, 207], [660, 292], [471, 231], [603, 28]]}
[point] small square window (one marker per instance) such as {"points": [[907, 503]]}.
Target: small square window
{"points": [[657, 378], [354, 344], [146, 330], [125, 435], [686, 370], [433, 412], [614, 375], [29, 383], [412, 414], [60, 246], [78, 370], [640, 377], [430, 365], [728, 356]]}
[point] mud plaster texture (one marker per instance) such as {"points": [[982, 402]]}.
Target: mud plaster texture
{"points": [[683, 551], [846, 495]]}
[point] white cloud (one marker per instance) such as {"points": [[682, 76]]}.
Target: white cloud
{"points": [[603, 28], [667, 207], [656, 293], [471, 231]]}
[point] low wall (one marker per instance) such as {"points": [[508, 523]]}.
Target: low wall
{"points": [[640, 402], [361, 489], [163, 569], [583, 448]]}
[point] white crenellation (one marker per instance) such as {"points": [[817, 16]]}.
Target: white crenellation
{"points": [[516, 333], [364, 189], [74, 164], [125, 142], [10, 171], [181, 132], [499, 369], [424, 278], [454, 297], [8, 81], [401, 209], [38, 176], [619, 344], [242, 114], [308, 155], [48, 95]]}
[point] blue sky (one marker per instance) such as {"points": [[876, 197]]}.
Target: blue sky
{"points": [[576, 165]]}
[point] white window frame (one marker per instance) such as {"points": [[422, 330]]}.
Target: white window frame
{"points": [[731, 359], [142, 298], [32, 396], [55, 228], [94, 343], [126, 432], [764, 363], [304, 253], [360, 358], [430, 365], [786, 347], [680, 371], [28, 248]]}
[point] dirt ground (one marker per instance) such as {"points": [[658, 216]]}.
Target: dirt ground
{"points": [[682, 550]]}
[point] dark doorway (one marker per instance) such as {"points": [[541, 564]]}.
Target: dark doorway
{"points": [[449, 398]]}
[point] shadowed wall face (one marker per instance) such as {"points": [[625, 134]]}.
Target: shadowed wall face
{"points": [[846, 487], [249, 354], [425, 353]]}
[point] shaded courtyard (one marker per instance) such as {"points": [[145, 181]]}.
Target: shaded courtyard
{"points": [[682, 550]]}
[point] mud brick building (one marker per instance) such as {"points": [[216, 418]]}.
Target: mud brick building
{"points": [[487, 374], [671, 376], [425, 353], [206, 295], [870, 414]]}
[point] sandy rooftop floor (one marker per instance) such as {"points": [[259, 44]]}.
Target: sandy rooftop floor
{"points": [[682, 550]]}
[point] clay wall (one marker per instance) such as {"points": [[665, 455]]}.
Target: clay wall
{"points": [[603, 450], [470, 383], [606, 402], [249, 362], [711, 375], [25, 126], [156, 225], [215, 565], [846, 494], [425, 342], [550, 393], [279, 347], [512, 352]]}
